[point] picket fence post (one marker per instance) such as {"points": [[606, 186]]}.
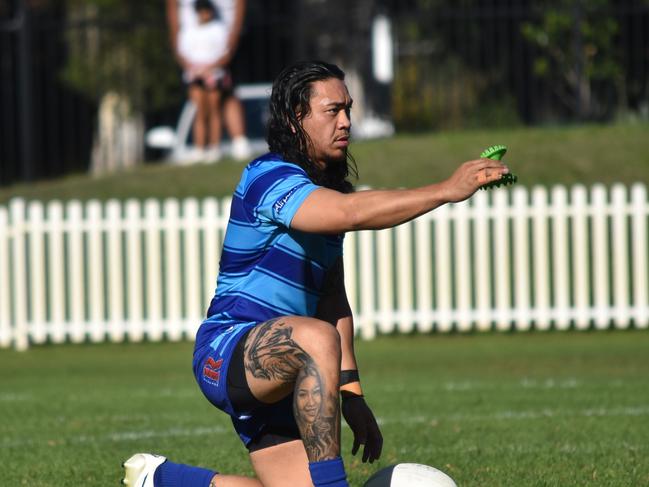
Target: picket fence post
{"points": [[36, 277], [133, 281], [600, 256], [482, 260], [619, 216], [640, 211], [191, 255], [97, 305], [153, 262], [580, 257], [541, 266], [76, 264], [171, 224], [424, 273], [6, 332], [18, 264], [463, 275], [521, 261], [384, 279], [560, 263], [115, 271], [443, 287]]}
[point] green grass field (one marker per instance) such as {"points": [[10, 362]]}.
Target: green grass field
{"points": [[555, 409], [560, 155]]}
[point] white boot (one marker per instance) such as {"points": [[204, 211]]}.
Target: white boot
{"points": [[140, 468]]}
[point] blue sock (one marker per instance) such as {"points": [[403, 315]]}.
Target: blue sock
{"points": [[171, 474], [329, 473]]}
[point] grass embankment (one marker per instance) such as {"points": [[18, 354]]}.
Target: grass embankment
{"points": [[569, 155]]}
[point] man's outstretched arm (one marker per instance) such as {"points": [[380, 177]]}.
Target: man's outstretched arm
{"points": [[328, 211]]}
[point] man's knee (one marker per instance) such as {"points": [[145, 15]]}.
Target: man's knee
{"points": [[315, 335], [276, 351], [288, 343]]}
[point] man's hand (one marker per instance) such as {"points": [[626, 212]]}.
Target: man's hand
{"points": [[470, 176], [360, 419]]}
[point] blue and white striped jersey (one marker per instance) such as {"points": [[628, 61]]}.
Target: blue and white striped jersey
{"points": [[268, 269]]}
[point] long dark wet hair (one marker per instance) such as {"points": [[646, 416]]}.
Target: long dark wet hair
{"points": [[291, 94]]}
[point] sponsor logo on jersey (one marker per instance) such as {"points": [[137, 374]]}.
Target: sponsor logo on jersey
{"points": [[212, 370], [280, 203]]}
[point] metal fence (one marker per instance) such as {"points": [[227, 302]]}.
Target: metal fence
{"points": [[457, 64], [58, 59], [481, 64], [564, 258]]}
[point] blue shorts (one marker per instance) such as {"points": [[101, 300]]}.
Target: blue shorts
{"points": [[211, 366]]}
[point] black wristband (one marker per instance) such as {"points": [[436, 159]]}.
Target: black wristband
{"points": [[348, 395], [349, 376]]}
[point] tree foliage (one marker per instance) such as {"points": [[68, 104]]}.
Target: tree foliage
{"points": [[121, 46], [577, 54], [443, 80]]}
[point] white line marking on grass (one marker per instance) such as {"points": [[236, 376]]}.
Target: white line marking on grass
{"points": [[569, 448], [168, 392], [626, 411], [117, 436], [529, 449], [568, 383], [170, 433], [523, 415], [142, 393], [14, 397], [466, 386]]}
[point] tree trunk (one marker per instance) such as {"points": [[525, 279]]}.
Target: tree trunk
{"points": [[119, 141]]}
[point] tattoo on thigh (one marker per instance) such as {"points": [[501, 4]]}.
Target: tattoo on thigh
{"points": [[270, 353], [213, 483]]}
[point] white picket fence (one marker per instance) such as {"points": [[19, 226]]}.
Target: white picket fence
{"points": [[505, 260]]}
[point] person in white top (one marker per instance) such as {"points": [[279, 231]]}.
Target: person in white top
{"points": [[204, 45]]}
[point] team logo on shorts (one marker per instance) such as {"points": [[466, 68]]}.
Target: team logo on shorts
{"points": [[212, 370]]}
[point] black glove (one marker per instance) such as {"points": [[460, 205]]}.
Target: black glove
{"points": [[360, 419]]}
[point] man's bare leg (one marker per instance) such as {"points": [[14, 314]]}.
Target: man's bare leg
{"points": [[282, 465], [234, 481], [301, 355], [155, 470]]}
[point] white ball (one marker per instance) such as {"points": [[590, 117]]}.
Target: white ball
{"points": [[410, 475]]}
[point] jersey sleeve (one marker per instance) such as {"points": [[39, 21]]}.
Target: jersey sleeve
{"points": [[277, 194]]}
